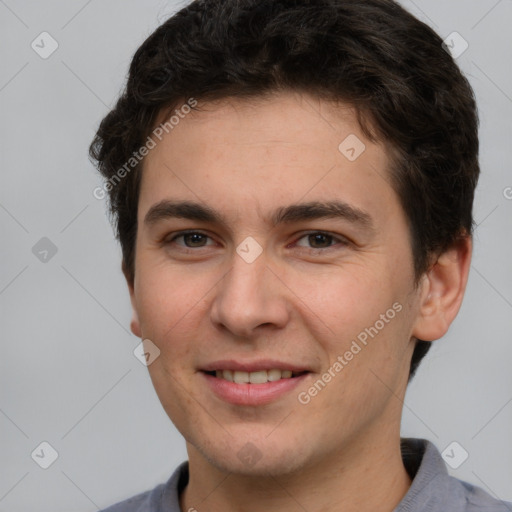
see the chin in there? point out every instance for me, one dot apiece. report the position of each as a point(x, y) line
point(254, 457)
point(265, 467)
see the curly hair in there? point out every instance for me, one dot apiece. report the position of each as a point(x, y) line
point(372, 54)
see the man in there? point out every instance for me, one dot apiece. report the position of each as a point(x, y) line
point(292, 185)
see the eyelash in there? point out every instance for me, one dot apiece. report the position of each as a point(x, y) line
point(342, 241)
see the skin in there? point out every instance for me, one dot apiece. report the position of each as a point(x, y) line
point(301, 301)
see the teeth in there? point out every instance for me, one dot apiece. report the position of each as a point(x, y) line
point(259, 377)
point(240, 377)
point(273, 375)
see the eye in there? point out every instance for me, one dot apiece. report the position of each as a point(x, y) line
point(191, 239)
point(320, 240)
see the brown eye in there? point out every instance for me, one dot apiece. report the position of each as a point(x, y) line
point(320, 240)
point(194, 239)
point(191, 239)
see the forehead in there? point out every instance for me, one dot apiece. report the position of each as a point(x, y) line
point(247, 155)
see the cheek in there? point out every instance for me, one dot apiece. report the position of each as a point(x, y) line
point(166, 304)
point(346, 297)
point(368, 320)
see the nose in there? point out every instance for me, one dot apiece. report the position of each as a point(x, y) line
point(249, 298)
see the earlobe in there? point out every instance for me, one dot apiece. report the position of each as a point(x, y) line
point(442, 291)
point(134, 323)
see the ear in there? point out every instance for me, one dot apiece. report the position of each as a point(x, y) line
point(442, 290)
point(134, 324)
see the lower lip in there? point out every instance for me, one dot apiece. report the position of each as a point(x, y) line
point(252, 394)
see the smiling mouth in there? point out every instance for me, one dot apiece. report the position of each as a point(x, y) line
point(258, 377)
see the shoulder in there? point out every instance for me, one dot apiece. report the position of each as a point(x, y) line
point(163, 496)
point(434, 490)
point(478, 500)
point(138, 503)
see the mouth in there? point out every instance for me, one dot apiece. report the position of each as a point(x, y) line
point(256, 377)
point(254, 383)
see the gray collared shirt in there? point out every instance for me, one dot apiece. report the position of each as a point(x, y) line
point(432, 488)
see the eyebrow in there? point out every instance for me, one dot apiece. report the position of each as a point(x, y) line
point(312, 210)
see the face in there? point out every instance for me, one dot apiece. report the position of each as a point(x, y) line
point(292, 255)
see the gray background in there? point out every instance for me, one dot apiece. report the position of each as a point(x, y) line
point(68, 375)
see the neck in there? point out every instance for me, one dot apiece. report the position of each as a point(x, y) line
point(363, 476)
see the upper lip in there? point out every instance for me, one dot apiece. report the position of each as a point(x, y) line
point(252, 366)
